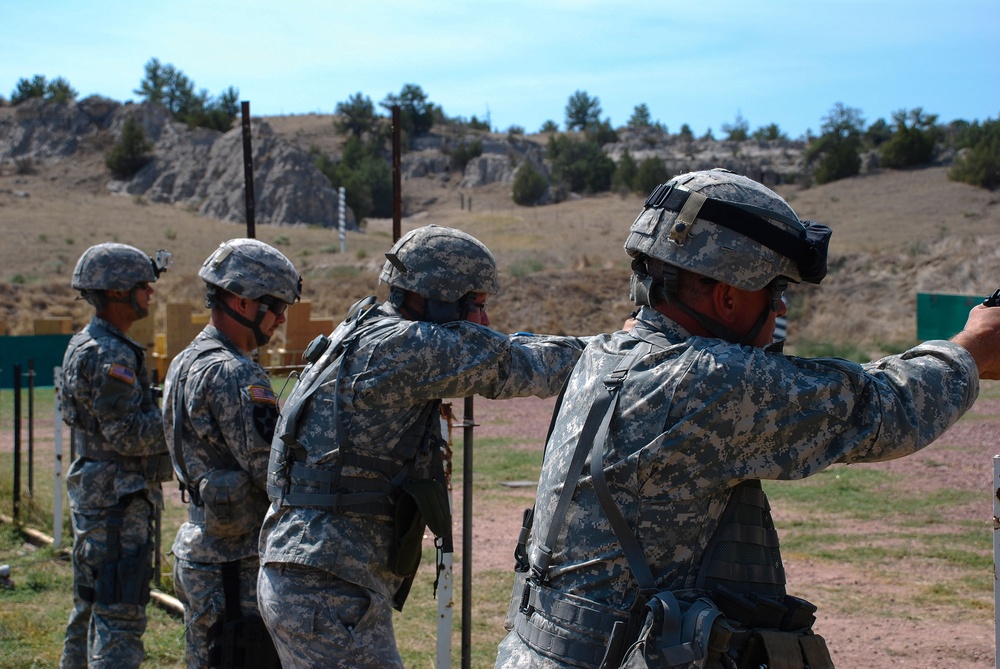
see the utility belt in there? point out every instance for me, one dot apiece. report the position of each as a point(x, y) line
point(324, 488)
point(153, 468)
point(683, 629)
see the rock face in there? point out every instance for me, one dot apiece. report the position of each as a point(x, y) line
point(49, 132)
point(199, 168)
point(203, 169)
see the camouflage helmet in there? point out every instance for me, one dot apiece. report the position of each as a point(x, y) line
point(252, 269)
point(441, 263)
point(113, 266)
point(729, 228)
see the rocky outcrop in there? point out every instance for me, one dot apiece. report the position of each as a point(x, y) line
point(203, 169)
point(49, 132)
point(198, 168)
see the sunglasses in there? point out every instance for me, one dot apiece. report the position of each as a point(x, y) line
point(274, 305)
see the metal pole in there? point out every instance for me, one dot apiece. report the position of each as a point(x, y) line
point(248, 170)
point(397, 180)
point(17, 441)
point(57, 431)
point(467, 436)
point(158, 513)
point(31, 428)
point(996, 557)
point(446, 590)
point(342, 218)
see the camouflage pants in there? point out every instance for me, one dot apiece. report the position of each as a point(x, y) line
point(318, 620)
point(198, 586)
point(103, 634)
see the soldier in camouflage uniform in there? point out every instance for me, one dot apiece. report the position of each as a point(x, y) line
point(355, 468)
point(705, 411)
point(219, 413)
point(114, 483)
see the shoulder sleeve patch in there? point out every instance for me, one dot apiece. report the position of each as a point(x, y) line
point(122, 373)
point(262, 395)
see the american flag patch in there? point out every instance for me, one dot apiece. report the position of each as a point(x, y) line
point(122, 372)
point(263, 395)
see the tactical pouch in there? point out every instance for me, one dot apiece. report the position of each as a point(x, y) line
point(675, 634)
point(786, 650)
point(158, 468)
point(421, 503)
point(229, 506)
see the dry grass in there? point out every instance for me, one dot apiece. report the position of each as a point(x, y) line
point(563, 266)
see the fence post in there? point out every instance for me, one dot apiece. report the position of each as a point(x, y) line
point(57, 433)
point(31, 428)
point(996, 556)
point(17, 442)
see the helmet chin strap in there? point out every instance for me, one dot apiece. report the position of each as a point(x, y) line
point(132, 300)
point(254, 325)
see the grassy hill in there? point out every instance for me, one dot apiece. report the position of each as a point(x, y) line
point(563, 267)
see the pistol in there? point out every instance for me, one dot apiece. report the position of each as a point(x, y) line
point(993, 300)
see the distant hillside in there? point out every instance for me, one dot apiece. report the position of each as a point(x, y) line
point(563, 267)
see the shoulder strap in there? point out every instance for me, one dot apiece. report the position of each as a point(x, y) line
point(331, 359)
point(200, 346)
point(595, 432)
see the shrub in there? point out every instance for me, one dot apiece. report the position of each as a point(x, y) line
point(529, 185)
point(738, 131)
point(583, 166)
point(979, 162)
point(365, 175)
point(624, 179)
point(131, 152)
point(837, 150)
point(912, 140)
point(463, 153)
point(651, 173)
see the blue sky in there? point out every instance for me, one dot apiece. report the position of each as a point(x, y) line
point(701, 63)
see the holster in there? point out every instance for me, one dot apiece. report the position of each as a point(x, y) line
point(158, 468)
point(246, 644)
point(422, 503)
point(123, 581)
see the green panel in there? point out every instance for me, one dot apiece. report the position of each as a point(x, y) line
point(45, 350)
point(942, 316)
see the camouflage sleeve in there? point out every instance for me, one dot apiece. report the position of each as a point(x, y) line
point(919, 395)
point(427, 361)
point(245, 410)
point(132, 426)
point(786, 418)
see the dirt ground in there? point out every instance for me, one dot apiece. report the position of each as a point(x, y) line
point(918, 639)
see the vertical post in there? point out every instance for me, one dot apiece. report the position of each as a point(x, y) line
point(57, 432)
point(469, 424)
point(248, 171)
point(397, 179)
point(158, 513)
point(31, 428)
point(996, 557)
point(446, 549)
point(17, 441)
point(342, 219)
